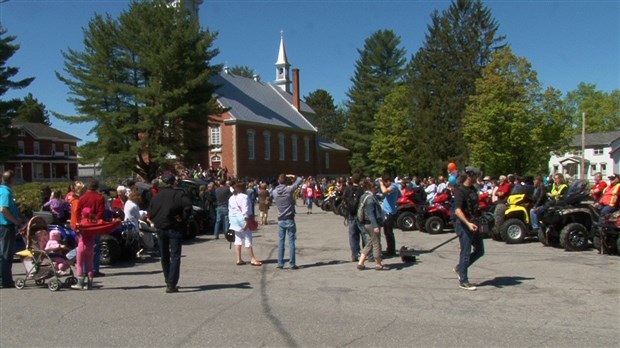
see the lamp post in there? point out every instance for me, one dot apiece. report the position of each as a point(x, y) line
point(583, 146)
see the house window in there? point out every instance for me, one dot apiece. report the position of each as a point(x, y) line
point(598, 152)
point(37, 148)
point(251, 144)
point(20, 147)
point(593, 169)
point(21, 132)
point(327, 160)
point(53, 149)
point(38, 171)
point(577, 152)
point(556, 169)
point(267, 136)
point(281, 148)
point(307, 148)
point(216, 137)
point(294, 147)
point(603, 168)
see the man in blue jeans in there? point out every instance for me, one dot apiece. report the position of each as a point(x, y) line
point(466, 202)
point(9, 221)
point(222, 194)
point(283, 196)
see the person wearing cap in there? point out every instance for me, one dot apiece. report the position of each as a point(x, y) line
point(168, 211)
point(391, 193)
point(609, 200)
point(467, 214)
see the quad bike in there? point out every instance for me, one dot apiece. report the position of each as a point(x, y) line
point(438, 216)
point(607, 238)
point(516, 225)
point(571, 221)
point(411, 206)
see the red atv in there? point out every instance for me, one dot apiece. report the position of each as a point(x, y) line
point(438, 215)
point(411, 206)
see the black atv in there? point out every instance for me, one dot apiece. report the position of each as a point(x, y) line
point(607, 237)
point(570, 222)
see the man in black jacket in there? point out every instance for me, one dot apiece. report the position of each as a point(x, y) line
point(168, 211)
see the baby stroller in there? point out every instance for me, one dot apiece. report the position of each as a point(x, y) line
point(43, 256)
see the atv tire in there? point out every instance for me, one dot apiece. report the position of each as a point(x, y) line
point(574, 237)
point(434, 225)
point(191, 230)
point(110, 250)
point(542, 237)
point(406, 221)
point(513, 231)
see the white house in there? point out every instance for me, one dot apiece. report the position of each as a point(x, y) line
point(602, 154)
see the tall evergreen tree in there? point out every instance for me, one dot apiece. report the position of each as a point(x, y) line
point(442, 75)
point(377, 72)
point(329, 119)
point(144, 80)
point(31, 110)
point(8, 107)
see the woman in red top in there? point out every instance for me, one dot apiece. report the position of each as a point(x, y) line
point(309, 196)
point(599, 186)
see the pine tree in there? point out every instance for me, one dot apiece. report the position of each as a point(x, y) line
point(377, 72)
point(144, 80)
point(31, 110)
point(329, 119)
point(442, 76)
point(8, 108)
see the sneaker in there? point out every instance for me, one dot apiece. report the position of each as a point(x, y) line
point(456, 270)
point(294, 267)
point(467, 286)
point(98, 274)
point(354, 259)
point(171, 289)
point(279, 267)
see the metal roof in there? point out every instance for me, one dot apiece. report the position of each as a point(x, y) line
point(41, 131)
point(260, 102)
point(326, 144)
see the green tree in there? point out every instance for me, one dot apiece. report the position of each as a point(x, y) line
point(31, 110)
point(391, 143)
point(244, 71)
point(8, 108)
point(377, 72)
point(602, 109)
point(498, 122)
point(144, 81)
point(329, 119)
point(442, 76)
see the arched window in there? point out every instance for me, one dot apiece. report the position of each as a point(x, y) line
point(327, 160)
point(294, 147)
point(251, 144)
point(307, 148)
point(216, 137)
point(267, 136)
point(281, 148)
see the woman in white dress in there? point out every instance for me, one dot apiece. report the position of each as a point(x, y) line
point(238, 215)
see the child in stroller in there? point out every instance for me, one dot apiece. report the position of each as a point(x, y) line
point(40, 263)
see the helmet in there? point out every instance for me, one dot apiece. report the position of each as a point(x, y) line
point(118, 214)
point(230, 235)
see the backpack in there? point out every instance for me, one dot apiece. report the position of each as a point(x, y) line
point(351, 199)
point(361, 210)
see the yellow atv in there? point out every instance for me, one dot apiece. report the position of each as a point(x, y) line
point(516, 226)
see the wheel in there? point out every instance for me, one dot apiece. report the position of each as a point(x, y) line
point(20, 283)
point(574, 236)
point(40, 282)
point(71, 281)
point(327, 205)
point(191, 230)
point(110, 250)
point(513, 231)
point(434, 225)
point(336, 207)
point(54, 284)
point(406, 221)
point(495, 235)
point(342, 210)
point(618, 245)
point(542, 237)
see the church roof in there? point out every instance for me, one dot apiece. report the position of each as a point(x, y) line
point(326, 144)
point(42, 131)
point(260, 102)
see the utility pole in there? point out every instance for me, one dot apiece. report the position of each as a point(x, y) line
point(583, 147)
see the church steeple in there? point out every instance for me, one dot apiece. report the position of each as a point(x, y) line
point(283, 80)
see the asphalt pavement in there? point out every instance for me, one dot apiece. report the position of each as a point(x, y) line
point(528, 296)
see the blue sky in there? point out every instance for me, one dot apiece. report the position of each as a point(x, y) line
point(567, 42)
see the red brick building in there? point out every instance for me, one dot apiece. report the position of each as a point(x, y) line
point(265, 130)
point(43, 153)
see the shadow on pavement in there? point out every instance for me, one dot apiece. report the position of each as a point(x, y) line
point(328, 263)
point(500, 282)
point(401, 265)
point(244, 285)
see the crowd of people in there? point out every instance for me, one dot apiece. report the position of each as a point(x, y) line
point(371, 206)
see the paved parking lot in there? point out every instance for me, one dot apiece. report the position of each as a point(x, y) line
point(528, 296)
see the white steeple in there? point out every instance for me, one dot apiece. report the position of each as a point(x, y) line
point(283, 80)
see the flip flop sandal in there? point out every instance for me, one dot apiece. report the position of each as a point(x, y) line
point(361, 267)
point(241, 263)
point(256, 263)
point(381, 268)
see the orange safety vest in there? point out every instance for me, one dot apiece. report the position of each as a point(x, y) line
point(610, 195)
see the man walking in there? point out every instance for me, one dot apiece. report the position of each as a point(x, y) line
point(9, 221)
point(285, 202)
point(391, 192)
point(222, 194)
point(466, 203)
point(169, 211)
